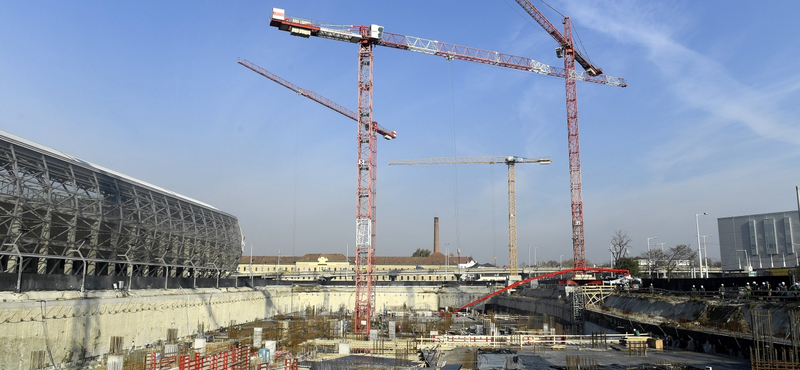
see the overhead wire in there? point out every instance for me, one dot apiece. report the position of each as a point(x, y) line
point(294, 212)
point(455, 166)
point(494, 220)
point(527, 18)
point(554, 9)
point(583, 51)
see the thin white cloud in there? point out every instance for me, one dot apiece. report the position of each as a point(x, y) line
point(694, 76)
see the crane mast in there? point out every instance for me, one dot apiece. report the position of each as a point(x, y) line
point(567, 50)
point(510, 161)
point(365, 230)
point(367, 176)
point(367, 164)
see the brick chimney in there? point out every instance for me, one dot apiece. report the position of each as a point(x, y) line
point(436, 235)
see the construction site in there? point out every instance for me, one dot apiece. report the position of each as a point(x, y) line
point(99, 270)
point(531, 328)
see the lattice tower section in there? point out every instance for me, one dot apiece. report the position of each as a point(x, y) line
point(578, 250)
point(367, 166)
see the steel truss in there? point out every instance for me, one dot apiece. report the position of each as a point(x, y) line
point(59, 214)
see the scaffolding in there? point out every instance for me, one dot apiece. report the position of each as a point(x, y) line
point(764, 355)
point(578, 305)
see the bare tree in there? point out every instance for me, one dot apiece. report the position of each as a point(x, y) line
point(654, 260)
point(620, 245)
point(680, 254)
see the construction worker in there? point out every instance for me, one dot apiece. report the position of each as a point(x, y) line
point(747, 291)
point(796, 289)
point(702, 290)
point(722, 291)
point(694, 291)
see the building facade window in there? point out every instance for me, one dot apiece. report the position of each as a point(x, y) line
point(769, 236)
point(753, 238)
point(787, 231)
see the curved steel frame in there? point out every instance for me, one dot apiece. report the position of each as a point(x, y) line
point(53, 205)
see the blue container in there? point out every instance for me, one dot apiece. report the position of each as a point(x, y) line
point(264, 354)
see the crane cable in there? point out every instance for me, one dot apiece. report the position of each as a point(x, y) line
point(527, 18)
point(583, 51)
point(494, 220)
point(294, 212)
point(455, 166)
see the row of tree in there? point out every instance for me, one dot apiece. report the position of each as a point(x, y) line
point(656, 260)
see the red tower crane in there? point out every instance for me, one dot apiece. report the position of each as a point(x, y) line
point(371, 154)
point(366, 37)
point(566, 49)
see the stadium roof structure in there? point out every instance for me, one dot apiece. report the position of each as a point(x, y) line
point(58, 211)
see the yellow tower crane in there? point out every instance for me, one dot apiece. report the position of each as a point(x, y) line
point(510, 161)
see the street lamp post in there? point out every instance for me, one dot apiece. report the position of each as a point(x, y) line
point(446, 259)
point(648, 242)
point(746, 260)
point(83, 261)
point(662, 256)
point(216, 268)
point(535, 260)
point(699, 251)
point(251, 266)
point(529, 256)
point(18, 264)
point(611, 251)
point(649, 258)
point(705, 250)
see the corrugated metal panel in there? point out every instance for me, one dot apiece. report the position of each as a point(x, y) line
point(740, 235)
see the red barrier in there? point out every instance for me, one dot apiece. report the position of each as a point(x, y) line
point(234, 359)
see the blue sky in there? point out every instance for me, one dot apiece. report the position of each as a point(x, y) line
point(151, 89)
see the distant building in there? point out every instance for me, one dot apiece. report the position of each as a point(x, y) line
point(338, 267)
point(760, 241)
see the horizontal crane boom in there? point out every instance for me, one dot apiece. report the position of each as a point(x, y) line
point(306, 28)
point(510, 161)
point(469, 160)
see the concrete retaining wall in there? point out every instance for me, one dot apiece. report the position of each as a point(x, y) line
point(537, 306)
point(74, 327)
point(707, 312)
point(688, 310)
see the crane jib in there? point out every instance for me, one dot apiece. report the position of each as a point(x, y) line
point(307, 28)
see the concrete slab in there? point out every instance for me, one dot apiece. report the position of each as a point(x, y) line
point(612, 359)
